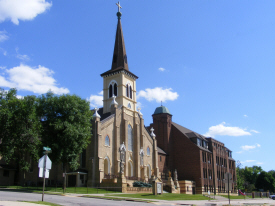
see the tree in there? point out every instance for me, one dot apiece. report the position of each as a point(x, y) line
point(19, 129)
point(240, 176)
point(265, 181)
point(66, 121)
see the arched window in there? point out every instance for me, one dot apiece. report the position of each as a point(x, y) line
point(130, 138)
point(129, 105)
point(107, 141)
point(130, 92)
point(127, 90)
point(148, 151)
point(130, 169)
point(115, 89)
point(110, 90)
point(106, 165)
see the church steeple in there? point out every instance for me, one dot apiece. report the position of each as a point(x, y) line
point(119, 81)
point(119, 56)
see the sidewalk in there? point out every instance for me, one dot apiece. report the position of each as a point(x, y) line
point(14, 203)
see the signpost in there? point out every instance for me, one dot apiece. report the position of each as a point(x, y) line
point(228, 183)
point(45, 164)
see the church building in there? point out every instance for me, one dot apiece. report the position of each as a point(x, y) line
point(119, 125)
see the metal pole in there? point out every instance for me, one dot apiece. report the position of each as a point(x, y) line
point(44, 171)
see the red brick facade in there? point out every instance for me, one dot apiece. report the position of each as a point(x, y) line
point(192, 155)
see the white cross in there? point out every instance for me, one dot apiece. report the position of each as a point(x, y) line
point(119, 7)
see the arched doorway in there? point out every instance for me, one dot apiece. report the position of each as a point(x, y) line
point(130, 169)
point(149, 171)
point(106, 166)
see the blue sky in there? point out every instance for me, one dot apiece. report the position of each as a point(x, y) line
point(210, 62)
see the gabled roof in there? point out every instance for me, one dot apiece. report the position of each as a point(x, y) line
point(160, 151)
point(189, 133)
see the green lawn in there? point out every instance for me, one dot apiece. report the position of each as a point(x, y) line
point(52, 190)
point(165, 196)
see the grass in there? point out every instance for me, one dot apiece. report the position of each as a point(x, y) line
point(165, 196)
point(42, 203)
point(58, 190)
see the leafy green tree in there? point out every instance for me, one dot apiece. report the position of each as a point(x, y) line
point(240, 178)
point(19, 129)
point(250, 175)
point(272, 172)
point(66, 121)
point(265, 181)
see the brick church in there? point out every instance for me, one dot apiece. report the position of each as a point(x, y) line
point(121, 143)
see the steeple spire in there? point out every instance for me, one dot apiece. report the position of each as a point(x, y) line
point(119, 56)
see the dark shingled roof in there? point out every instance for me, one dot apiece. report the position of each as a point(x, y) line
point(102, 116)
point(189, 133)
point(160, 151)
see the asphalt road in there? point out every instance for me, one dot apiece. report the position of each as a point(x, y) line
point(62, 200)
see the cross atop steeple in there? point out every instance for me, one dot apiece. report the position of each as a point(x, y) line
point(119, 7)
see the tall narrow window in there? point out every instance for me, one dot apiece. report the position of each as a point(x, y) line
point(127, 90)
point(130, 92)
point(115, 89)
point(148, 151)
point(107, 141)
point(130, 138)
point(110, 90)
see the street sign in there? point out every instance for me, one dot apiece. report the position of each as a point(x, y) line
point(47, 149)
point(42, 161)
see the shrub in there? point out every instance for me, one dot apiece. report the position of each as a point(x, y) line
point(141, 184)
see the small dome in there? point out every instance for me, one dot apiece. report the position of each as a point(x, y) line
point(161, 110)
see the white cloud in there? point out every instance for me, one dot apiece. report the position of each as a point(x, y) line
point(255, 131)
point(158, 94)
point(38, 80)
point(161, 69)
point(250, 160)
point(139, 105)
point(245, 115)
point(3, 51)
point(96, 100)
point(259, 163)
point(23, 57)
point(16, 10)
point(3, 36)
point(223, 130)
point(19, 97)
point(249, 147)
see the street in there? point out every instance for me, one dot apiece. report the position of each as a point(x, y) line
point(62, 200)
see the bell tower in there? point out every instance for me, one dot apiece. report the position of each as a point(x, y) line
point(119, 81)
